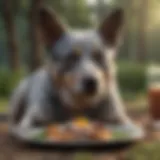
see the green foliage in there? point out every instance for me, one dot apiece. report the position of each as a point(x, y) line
point(3, 105)
point(8, 81)
point(132, 77)
point(75, 12)
point(57, 5)
point(78, 14)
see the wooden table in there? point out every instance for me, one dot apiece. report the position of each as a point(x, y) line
point(10, 151)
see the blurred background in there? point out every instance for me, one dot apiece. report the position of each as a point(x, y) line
point(22, 51)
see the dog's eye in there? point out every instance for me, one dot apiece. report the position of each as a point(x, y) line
point(98, 56)
point(72, 59)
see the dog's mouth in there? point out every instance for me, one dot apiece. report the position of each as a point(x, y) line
point(84, 100)
point(80, 100)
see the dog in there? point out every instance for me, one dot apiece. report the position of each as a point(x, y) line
point(78, 80)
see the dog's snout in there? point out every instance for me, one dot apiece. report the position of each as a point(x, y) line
point(90, 85)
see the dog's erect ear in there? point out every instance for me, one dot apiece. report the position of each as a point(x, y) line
point(50, 25)
point(111, 27)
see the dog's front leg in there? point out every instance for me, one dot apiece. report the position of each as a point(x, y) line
point(26, 122)
point(33, 118)
point(117, 111)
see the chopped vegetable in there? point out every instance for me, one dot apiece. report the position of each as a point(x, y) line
point(81, 129)
point(121, 135)
point(40, 136)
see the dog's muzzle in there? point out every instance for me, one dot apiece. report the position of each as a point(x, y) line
point(90, 86)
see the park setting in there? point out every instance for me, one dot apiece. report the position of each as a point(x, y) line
point(22, 51)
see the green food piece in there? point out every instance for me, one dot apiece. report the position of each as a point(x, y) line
point(40, 136)
point(121, 135)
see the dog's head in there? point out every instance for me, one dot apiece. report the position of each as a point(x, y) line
point(81, 61)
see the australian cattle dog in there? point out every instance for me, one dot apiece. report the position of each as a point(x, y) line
point(79, 79)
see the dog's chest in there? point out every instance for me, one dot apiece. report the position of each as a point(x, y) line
point(63, 113)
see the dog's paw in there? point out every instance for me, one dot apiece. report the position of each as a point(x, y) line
point(19, 131)
point(128, 123)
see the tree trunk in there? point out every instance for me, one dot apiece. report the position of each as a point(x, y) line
point(142, 41)
point(13, 56)
point(35, 37)
point(100, 10)
point(128, 31)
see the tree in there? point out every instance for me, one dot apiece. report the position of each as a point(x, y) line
point(136, 12)
point(142, 40)
point(58, 6)
point(75, 12)
point(11, 35)
point(78, 14)
point(101, 9)
point(37, 49)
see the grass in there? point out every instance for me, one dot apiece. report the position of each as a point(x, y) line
point(3, 105)
point(137, 103)
point(145, 152)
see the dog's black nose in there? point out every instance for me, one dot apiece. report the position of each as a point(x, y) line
point(90, 85)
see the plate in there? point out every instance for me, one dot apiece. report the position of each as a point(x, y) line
point(122, 137)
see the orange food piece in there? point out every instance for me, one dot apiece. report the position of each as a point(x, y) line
point(68, 136)
point(53, 132)
point(102, 134)
point(81, 122)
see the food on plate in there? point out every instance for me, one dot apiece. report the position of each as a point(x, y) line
point(121, 135)
point(78, 129)
point(82, 129)
point(102, 134)
point(53, 132)
point(81, 122)
point(81, 126)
